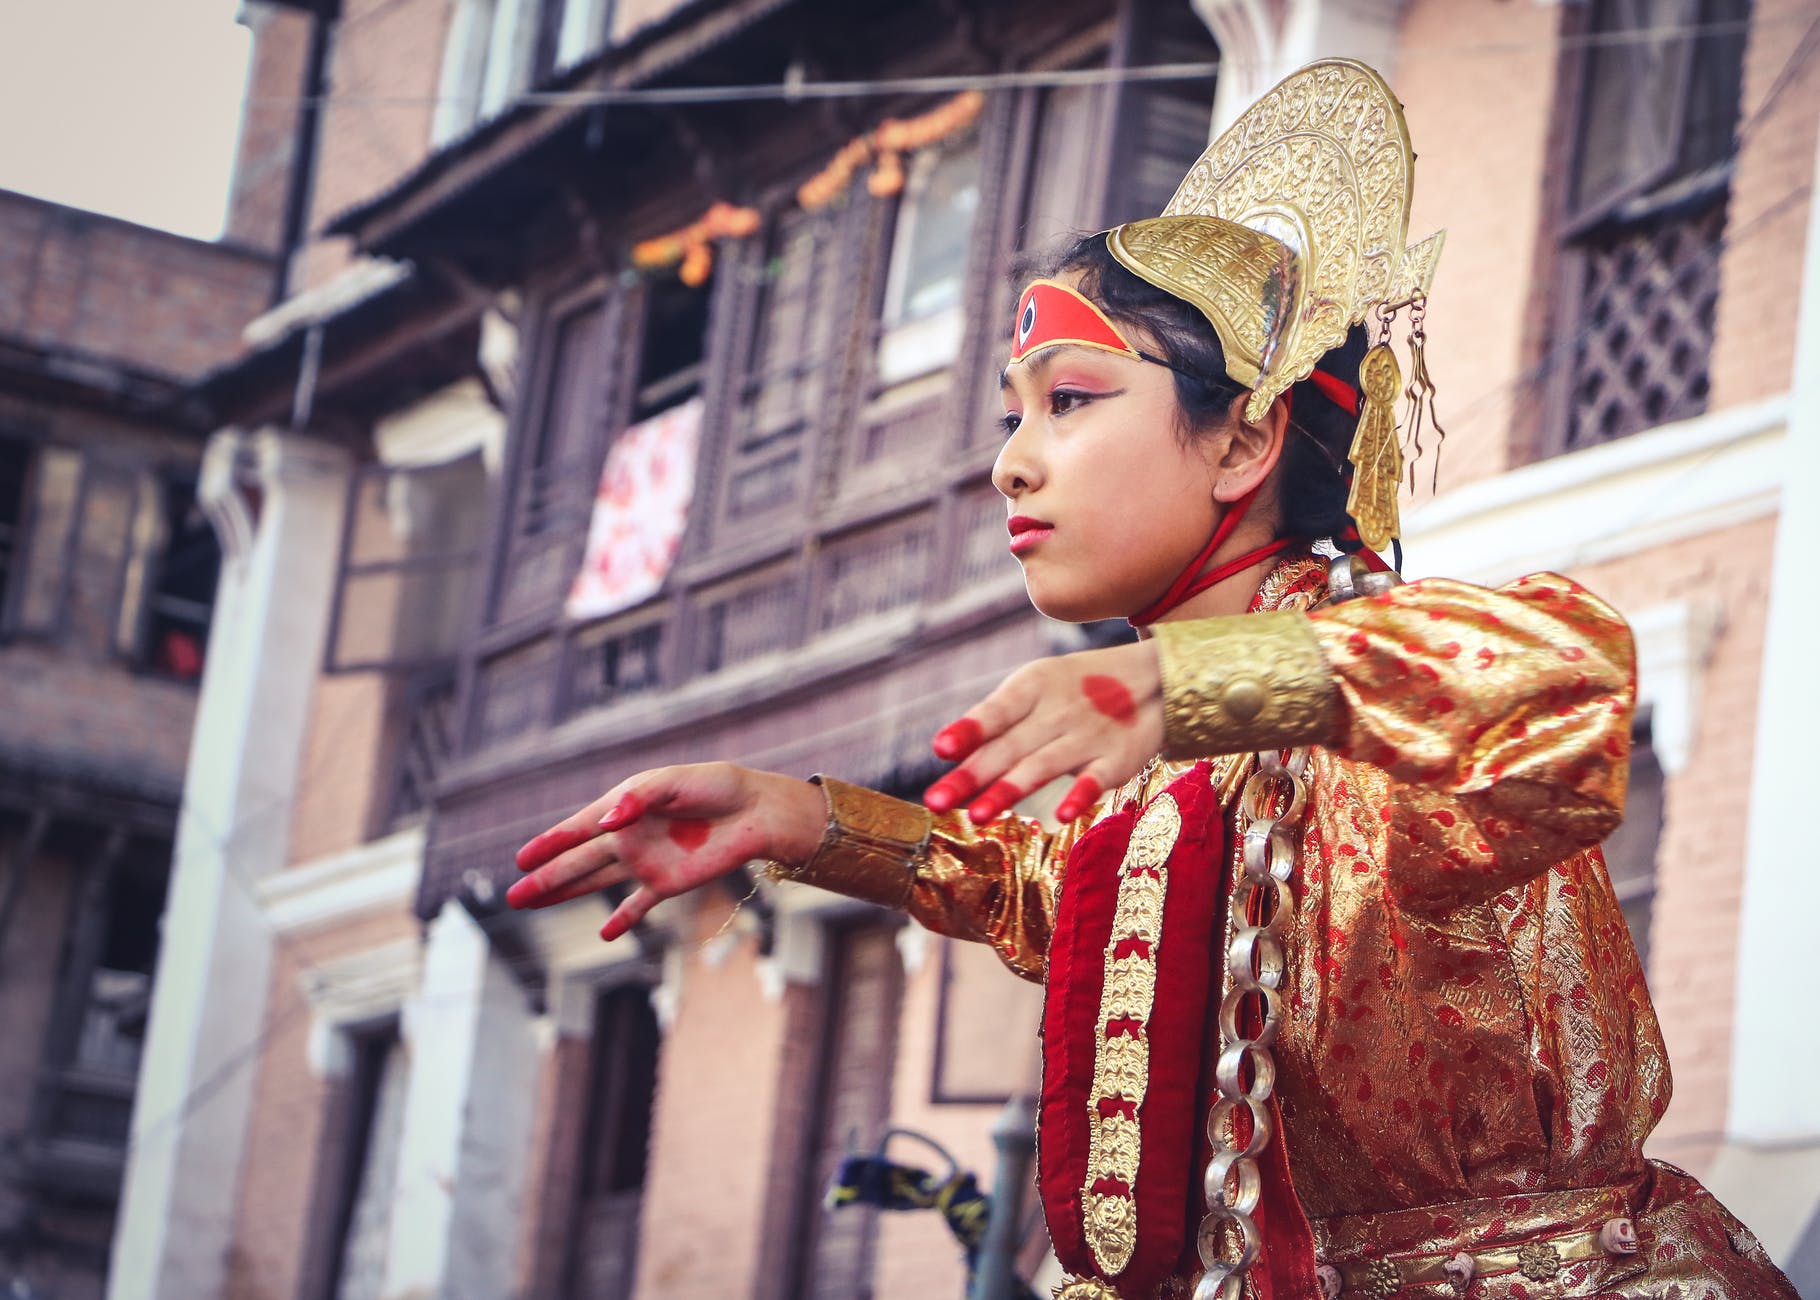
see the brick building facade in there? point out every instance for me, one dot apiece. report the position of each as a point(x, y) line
point(412, 1091)
point(107, 573)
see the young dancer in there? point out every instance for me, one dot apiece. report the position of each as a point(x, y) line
point(1339, 1001)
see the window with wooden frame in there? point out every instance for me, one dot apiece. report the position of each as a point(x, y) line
point(42, 535)
point(557, 462)
point(1631, 850)
point(921, 324)
point(792, 362)
point(831, 1253)
point(622, 1087)
point(15, 465)
point(1652, 96)
point(371, 1134)
point(410, 550)
point(173, 566)
point(96, 1034)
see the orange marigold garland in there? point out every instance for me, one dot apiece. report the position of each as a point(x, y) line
point(690, 245)
point(689, 250)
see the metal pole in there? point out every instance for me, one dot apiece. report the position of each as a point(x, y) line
point(1015, 1137)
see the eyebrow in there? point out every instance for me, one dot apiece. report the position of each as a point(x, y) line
point(1043, 357)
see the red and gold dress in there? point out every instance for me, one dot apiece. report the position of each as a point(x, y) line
point(1468, 1062)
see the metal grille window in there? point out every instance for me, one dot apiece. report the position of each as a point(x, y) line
point(1657, 91)
point(875, 572)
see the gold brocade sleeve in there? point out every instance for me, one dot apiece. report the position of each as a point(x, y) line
point(1502, 719)
point(992, 884)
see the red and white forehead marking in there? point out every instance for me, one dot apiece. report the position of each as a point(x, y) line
point(1050, 313)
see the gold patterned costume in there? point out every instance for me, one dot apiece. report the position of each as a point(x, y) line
point(1469, 1062)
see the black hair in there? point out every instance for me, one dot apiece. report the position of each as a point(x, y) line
point(1312, 474)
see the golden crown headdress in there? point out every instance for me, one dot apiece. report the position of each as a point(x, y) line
point(1288, 231)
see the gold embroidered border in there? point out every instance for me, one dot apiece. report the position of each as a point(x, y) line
point(1121, 1066)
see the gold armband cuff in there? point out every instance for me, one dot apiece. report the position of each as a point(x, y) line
point(870, 849)
point(1234, 685)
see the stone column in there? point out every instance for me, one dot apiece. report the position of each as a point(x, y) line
point(475, 1059)
point(1262, 42)
point(277, 502)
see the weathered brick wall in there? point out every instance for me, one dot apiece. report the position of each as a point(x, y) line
point(267, 149)
point(73, 697)
point(384, 73)
point(1700, 865)
point(718, 1081)
point(144, 298)
point(1761, 273)
point(1477, 80)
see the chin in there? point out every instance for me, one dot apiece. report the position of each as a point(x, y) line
point(1072, 605)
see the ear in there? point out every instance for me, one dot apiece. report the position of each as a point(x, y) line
point(1252, 450)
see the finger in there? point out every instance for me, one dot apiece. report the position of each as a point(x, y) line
point(611, 872)
point(553, 843)
point(1081, 796)
point(991, 763)
point(581, 862)
point(1008, 704)
point(1031, 773)
point(629, 913)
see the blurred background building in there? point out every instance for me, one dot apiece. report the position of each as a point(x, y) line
point(493, 268)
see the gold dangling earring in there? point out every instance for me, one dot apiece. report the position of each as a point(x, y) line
point(1376, 457)
point(1421, 395)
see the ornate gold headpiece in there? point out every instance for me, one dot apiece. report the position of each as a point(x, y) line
point(1288, 231)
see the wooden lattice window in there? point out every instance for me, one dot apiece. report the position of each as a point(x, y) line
point(746, 618)
point(1655, 93)
point(559, 461)
point(791, 365)
point(874, 572)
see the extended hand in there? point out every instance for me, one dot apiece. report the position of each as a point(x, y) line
point(1096, 715)
point(669, 829)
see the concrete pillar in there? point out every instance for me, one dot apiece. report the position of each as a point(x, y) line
point(208, 1010)
point(1262, 41)
point(476, 1052)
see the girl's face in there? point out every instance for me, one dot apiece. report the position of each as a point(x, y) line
point(1108, 501)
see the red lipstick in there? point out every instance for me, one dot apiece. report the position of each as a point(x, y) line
point(1027, 532)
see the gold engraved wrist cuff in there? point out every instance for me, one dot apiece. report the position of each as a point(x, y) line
point(1237, 684)
point(870, 849)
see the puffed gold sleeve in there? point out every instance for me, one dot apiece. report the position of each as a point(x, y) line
point(991, 884)
point(1517, 703)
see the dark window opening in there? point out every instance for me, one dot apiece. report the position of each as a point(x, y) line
point(376, 1087)
point(622, 1087)
point(674, 347)
point(15, 463)
point(181, 597)
point(1630, 851)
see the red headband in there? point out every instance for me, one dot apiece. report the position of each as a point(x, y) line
point(1050, 313)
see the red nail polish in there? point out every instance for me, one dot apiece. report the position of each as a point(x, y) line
point(958, 739)
point(628, 810)
point(525, 892)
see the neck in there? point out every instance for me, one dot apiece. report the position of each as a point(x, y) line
point(1229, 596)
